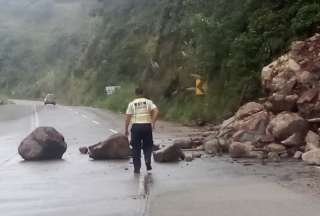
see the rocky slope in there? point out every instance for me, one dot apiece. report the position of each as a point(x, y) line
point(286, 122)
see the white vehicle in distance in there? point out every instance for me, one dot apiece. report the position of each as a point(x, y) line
point(50, 99)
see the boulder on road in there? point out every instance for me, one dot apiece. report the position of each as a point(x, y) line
point(255, 122)
point(241, 150)
point(287, 124)
point(312, 157)
point(115, 147)
point(44, 143)
point(170, 153)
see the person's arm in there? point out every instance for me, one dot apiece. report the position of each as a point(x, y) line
point(127, 123)
point(128, 117)
point(154, 116)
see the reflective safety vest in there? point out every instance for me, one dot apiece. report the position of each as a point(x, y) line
point(140, 109)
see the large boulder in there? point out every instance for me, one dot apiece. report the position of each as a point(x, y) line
point(248, 110)
point(44, 143)
point(252, 117)
point(115, 147)
point(170, 153)
point(279, 102)
point(288, 126)
point(241, 150)
point(309, 103)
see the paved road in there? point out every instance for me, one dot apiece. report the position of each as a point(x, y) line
point(79, 186)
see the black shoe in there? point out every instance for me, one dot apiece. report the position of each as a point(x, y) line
point(136, 171)
point(149, 167)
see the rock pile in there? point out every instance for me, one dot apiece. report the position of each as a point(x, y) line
point(286, 122)
point(44, 143)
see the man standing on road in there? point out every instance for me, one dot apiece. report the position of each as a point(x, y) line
point(143, 114)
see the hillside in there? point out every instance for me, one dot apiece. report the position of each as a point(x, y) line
point(159, 44)
point(226, 42)
point(39, 41)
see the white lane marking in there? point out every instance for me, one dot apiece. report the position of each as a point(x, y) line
point(84, 116)
point(36, 117)
point(141, 190)
point(113, 131)
point(95, 122)
point(76, 112)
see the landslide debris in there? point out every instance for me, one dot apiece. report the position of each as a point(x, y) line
point(286, 122)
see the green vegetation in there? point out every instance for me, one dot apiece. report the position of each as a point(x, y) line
point(158, 44)
point(226, 42)
point(119, 100)
point(40, 41)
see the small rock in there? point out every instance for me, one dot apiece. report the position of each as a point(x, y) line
point(188, 158)
point(84, 150)
point(200, 148)
point(298, 155)
point(212, 147)
point(284, 155)
point(196, 155)
point(312, 157)
point(274, 157)
point(313, 141)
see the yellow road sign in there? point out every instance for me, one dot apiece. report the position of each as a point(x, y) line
point(201, 87)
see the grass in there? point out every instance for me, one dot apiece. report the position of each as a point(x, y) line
point(180, 109)
point(117, 102)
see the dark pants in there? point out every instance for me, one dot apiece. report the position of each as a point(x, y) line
point(141, 138)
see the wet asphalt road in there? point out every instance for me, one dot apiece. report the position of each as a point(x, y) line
point(78, 186)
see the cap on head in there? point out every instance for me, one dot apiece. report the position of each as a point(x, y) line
point(139, 91)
